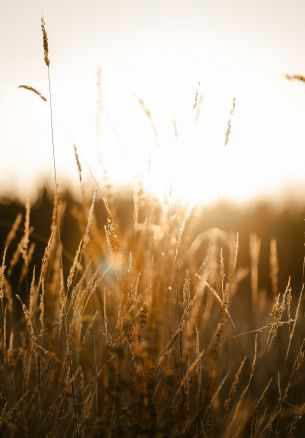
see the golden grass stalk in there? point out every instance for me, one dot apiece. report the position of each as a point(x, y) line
point(98, 117)
point(111, 231)
point(45, 42)
point(197, 94)
point(72, 378)
point(149, 116)
point(80, 177)
point(4, 336)
point(297, 418)
point(42, 276)
point(288, 306)
point(32, 297)
point(197, 102)
point(46, 257)
point(295, 367)
point(198, 108)
point(34, 90)
point(278, 309)
point(89, 329)
point(2, 276)
point(205, 409)
point(22, 247)
point(179, 238)
point(274, 266)
point(42, 306)
point(299, 78)
point(245, 390)
point(255, 245)
point(47, 63)
point(216, 393)
point(27, 261)
point(234, 385)
point(29, 324)
point(13, 231)
point(79, 167)
point(76, 266)
point(191, 368)
point(192, 312)
point(222, 301)
point(229, 125)
point(26, 236)
point(265, 327)
point(295, 321)
point(236, 250)
point(257, 404)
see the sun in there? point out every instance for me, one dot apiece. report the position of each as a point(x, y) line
point(180, 140)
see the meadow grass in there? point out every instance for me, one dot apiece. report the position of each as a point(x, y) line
point(149, 331)
point(153, 333)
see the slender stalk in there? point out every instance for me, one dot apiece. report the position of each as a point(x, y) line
point(47, 62)
point(55, 172)
point(72, 382)
point(52, 128)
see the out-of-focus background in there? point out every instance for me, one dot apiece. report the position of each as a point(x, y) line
point(106, 55)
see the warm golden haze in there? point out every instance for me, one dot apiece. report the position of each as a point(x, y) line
point(148, 312)
point(166, 50)
point(149, 320)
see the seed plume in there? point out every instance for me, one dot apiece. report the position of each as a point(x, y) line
point(45, 42)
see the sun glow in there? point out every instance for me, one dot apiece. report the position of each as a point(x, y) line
point(142, 123)
point(169, 134)
point(172, 136)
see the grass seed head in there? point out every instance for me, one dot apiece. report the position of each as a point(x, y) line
point(34, 90)
point(45, 42)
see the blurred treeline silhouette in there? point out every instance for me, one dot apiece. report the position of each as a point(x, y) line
point(283, 223)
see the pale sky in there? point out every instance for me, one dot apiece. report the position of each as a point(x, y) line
point(159, 51)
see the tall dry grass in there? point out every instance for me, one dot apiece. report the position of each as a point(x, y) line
point(150, 333)
point(147, 337)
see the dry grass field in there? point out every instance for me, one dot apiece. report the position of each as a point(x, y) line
point(147, 330)
point(148, 325)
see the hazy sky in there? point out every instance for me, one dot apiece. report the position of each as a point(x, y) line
point(159, 51)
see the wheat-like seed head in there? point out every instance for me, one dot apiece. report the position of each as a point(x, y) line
point(45, 42)
point(12, 233)
point(29, 324)
point(234, 385)
point(300, 78)
point(79, 167)
point(34, 90)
